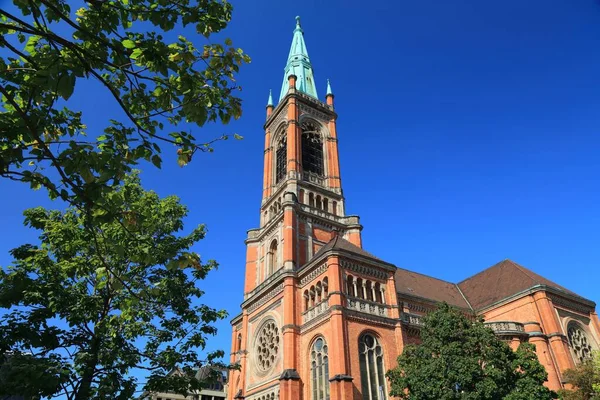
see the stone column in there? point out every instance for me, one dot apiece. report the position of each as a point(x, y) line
point(340, 383)
point(551, 326)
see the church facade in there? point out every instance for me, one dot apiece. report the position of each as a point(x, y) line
point(324, 319)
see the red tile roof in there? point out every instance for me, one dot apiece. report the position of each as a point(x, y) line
point(500, 281)
point(415, 284)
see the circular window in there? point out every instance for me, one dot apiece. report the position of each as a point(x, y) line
point(267, 346)
point(579, 342)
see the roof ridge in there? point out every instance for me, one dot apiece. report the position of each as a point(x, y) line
point(524, 271)
point(484, 270)
point(464, 297)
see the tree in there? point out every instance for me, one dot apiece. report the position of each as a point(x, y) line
point(87, 308)
point(121, 44)
point(460, 358)
point(585, 379)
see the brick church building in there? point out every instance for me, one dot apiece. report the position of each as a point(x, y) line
point(324, 319)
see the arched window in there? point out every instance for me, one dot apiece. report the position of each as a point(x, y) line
point(281, 159)
point(239, 342)
point(311, 200)
point(319, 368)
point(272, 258)
point(372, 373)
point(312, 148)
point(579, 342)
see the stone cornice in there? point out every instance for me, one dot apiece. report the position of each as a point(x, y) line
point(307, 277)
point(237, 319)
point(364, 269)
point(301, 99)
point(350, 256)
point(373, 319)
point(540, 288)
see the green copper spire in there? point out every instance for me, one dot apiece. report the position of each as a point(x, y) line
point(298, 64)
point(270, 101)
point(329, 87)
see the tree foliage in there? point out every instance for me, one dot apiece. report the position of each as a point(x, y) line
point(460, 358)
point(585, 379)
point(88, 308)
point(48, 48)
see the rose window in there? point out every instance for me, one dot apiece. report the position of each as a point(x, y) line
point(267, 346)
point(579, 342)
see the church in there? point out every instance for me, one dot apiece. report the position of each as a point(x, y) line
point(322, 318)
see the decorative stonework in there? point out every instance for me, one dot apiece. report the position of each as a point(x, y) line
point(367, 307)
point(569, 304)
point(416, 307)
point(363, 269)
point(506, 327)
point(579, 342)
point(267, 346)
point(268, 296)
point(279, 119)
point(304, 109)
point(412, 319)
point(316, 272)
point(315, 311)
point(267, 394)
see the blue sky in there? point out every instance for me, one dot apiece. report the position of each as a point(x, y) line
point(468, 133)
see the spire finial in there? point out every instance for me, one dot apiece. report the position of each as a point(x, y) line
point(328, 87)
point(297, 20)
point(270, 101)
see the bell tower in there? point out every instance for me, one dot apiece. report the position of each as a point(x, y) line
point(303, 221)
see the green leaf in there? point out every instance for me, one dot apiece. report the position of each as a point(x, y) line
point(128, 44)
point(156, 160)
point(66, 85)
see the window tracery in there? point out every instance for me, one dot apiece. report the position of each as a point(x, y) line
point(319, 361)
point(579, 342)
point(312, 148)
point(372, 373)
point(267, 346)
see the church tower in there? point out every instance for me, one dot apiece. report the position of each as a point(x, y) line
point(291, 338)
point(322, 319)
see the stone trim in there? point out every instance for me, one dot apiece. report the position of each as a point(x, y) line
point(418, 308)
point(570, 304)
point(268, 296)
point(271, 393)
point(312, 275)
point(373, 319)
point(363, 269)
point(289, 374)
point(293, 327)
point(341, 378)
point(311, 111)
point(260, 314)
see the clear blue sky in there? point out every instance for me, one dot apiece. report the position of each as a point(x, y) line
point(469, 133)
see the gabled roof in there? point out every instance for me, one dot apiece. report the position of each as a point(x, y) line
point(339, 243)
point(419, 285)
point(502, 280)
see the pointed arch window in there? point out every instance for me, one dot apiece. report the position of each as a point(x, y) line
point(281, 159)
point(372, 373)
point(312, 148)
point(319, 369)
